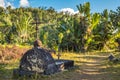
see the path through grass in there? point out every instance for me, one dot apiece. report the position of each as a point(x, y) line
point(87, 67)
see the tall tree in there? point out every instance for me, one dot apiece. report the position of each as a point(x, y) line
point(84, 11)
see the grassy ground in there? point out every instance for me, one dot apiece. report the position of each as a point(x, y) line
point(89, 66)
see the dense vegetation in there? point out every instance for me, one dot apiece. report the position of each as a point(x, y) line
point(84, 31)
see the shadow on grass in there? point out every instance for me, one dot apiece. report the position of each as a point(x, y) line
point(113, 71)
point(92, 57)
point(100, 73)
point(6, 73)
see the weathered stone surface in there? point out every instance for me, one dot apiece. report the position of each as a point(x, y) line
point(38, 60)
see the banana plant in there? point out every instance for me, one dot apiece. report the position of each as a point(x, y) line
point(24, 28)
point(103, 30)
point(94, 22)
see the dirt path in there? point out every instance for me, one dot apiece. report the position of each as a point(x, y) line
point(92, 68)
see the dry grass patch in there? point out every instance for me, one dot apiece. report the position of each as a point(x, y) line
point(88, 66)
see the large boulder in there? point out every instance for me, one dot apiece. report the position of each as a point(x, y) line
point(38, 60)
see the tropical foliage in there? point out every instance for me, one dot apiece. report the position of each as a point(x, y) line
point(83, 31)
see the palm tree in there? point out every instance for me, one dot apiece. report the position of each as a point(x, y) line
point(84, 11)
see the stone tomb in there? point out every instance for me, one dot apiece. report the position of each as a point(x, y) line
point(39, 60)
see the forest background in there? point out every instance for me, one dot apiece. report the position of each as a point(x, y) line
point(80, 32)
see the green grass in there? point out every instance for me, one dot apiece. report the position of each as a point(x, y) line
point(6, 69)
point(111, 70)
